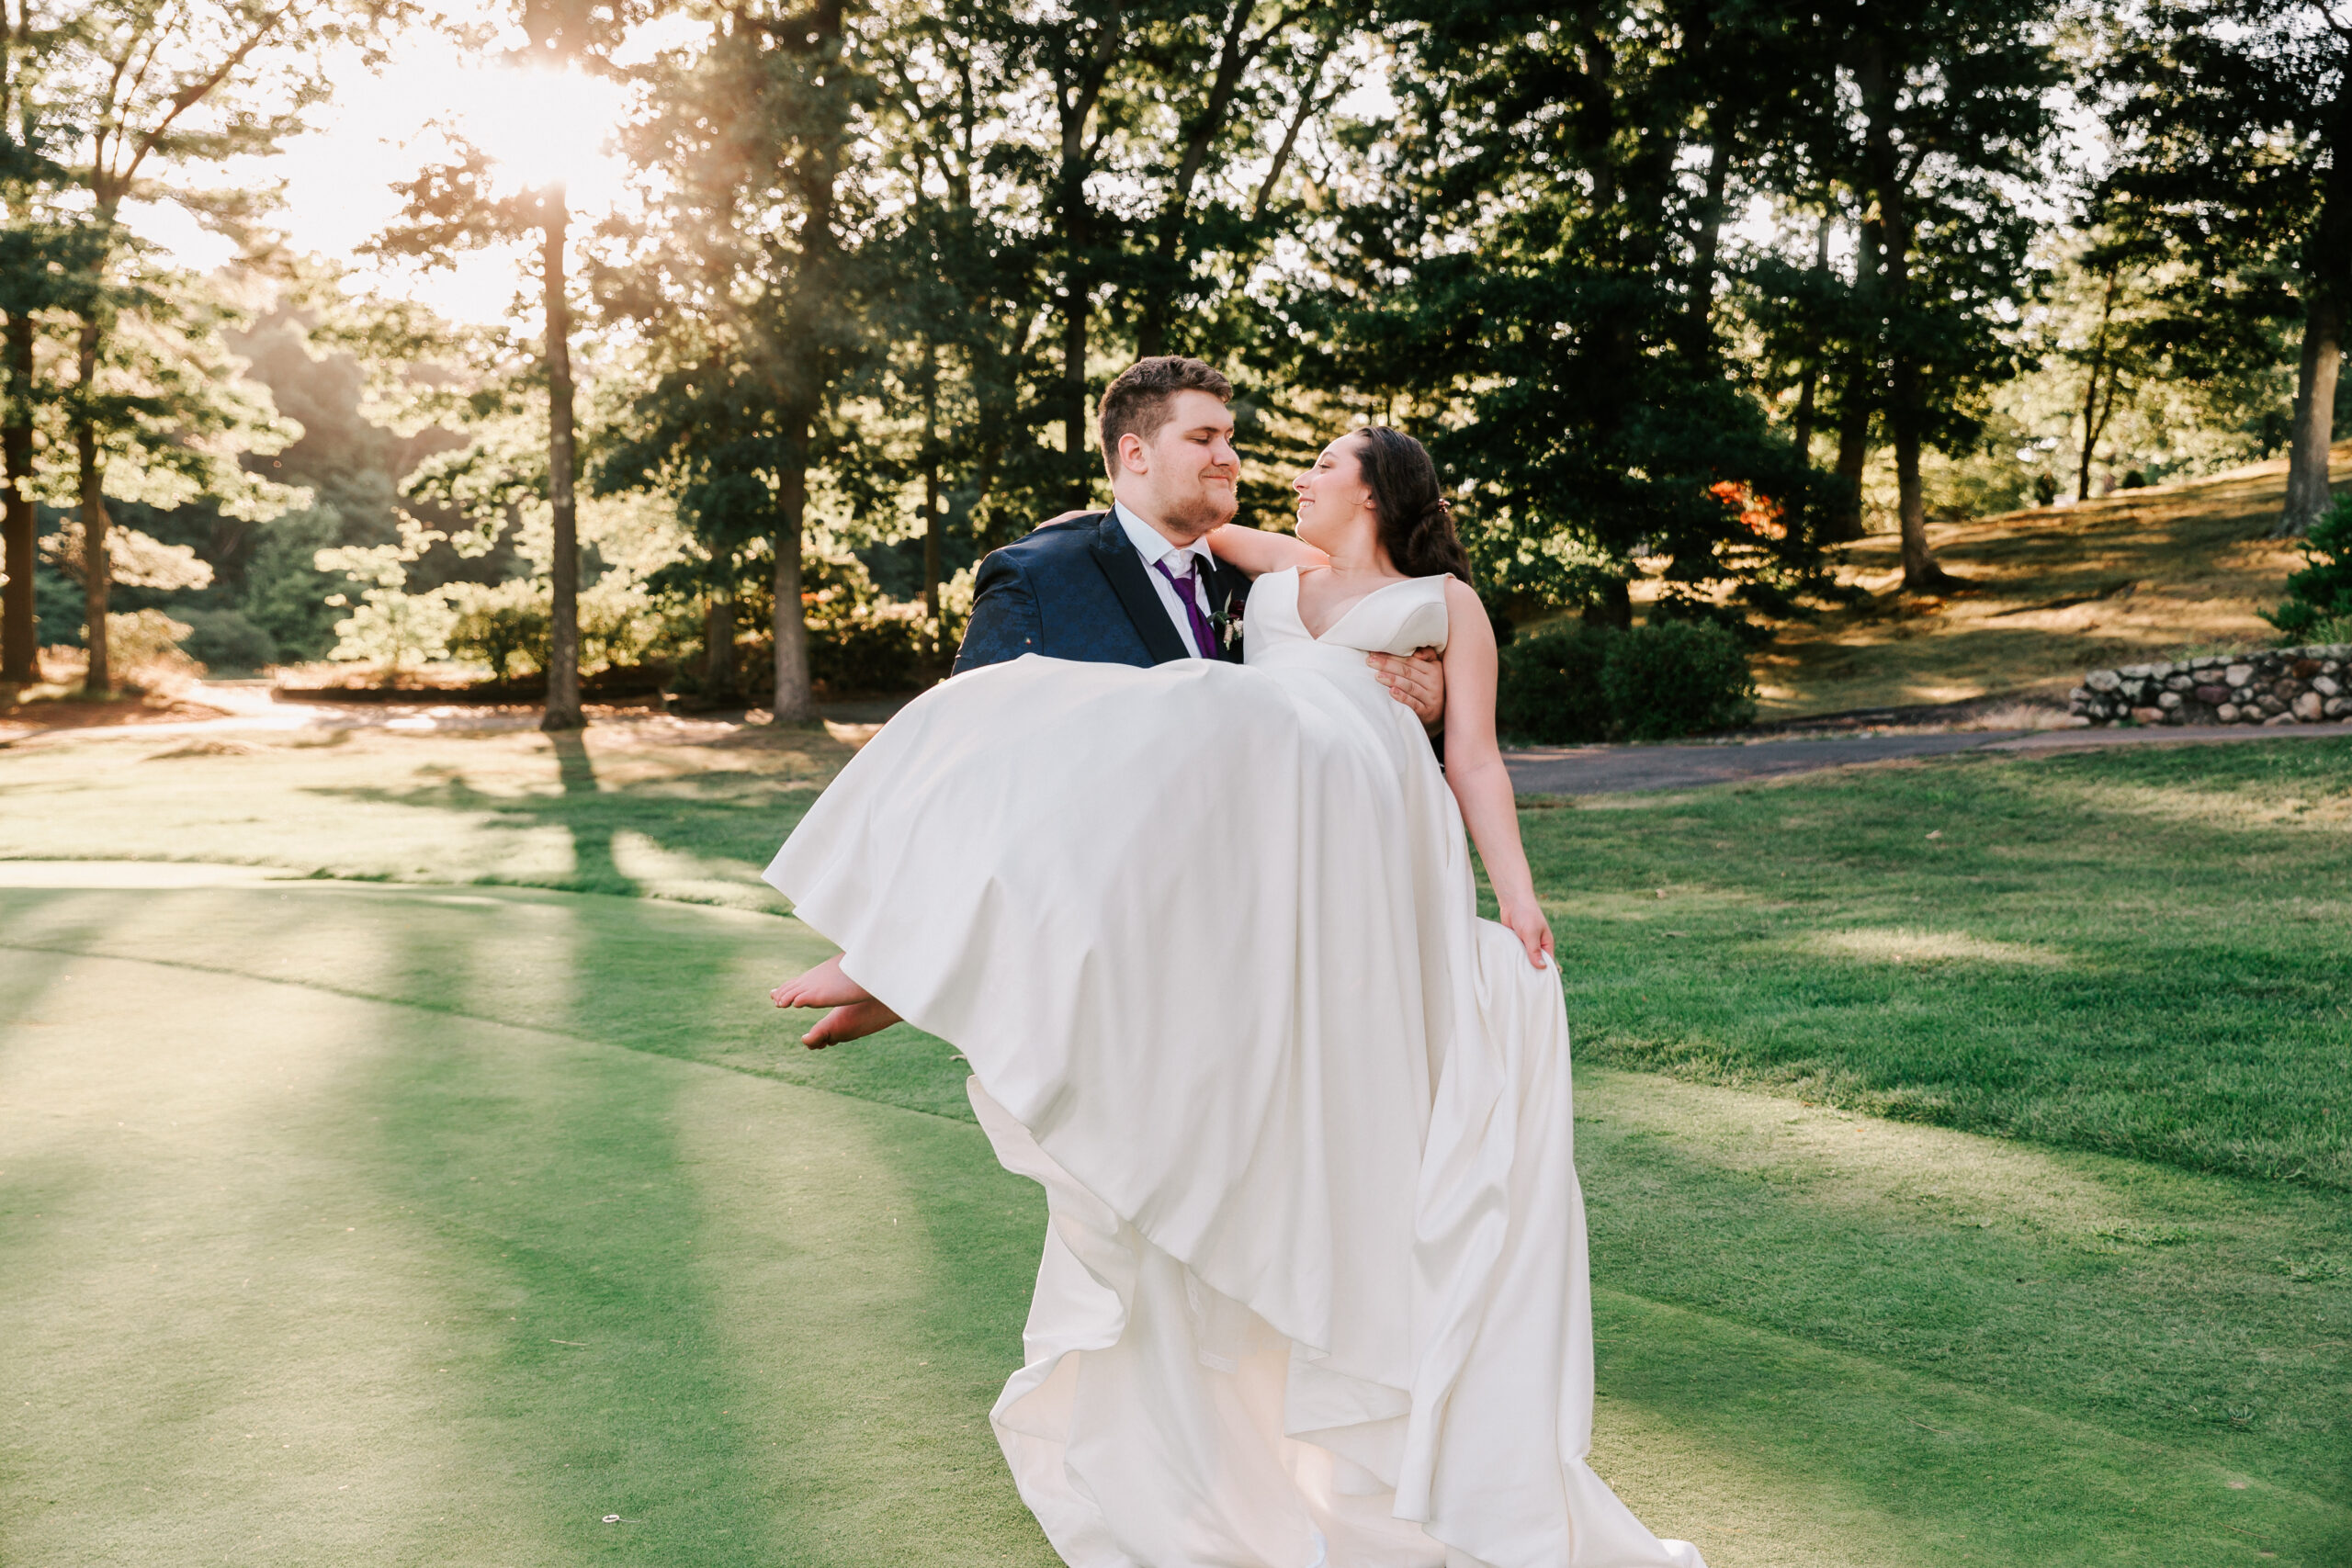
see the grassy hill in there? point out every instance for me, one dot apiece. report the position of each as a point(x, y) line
point(2055, 591)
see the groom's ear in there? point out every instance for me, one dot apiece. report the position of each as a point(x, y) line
point(1134, 456)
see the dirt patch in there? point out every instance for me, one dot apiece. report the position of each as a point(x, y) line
point(18, 720)
point(2133, 578)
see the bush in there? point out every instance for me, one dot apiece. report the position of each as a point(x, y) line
point(499, 626)
point(227, 640)
point(1677, 677)
point(2319, 597)
point(1549, 687)
point(868, 652)
point(1588, 682)
point(146, 642)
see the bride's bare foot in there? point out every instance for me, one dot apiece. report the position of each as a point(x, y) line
point(853, 1022)
point(823, 987)
point(854, 1014)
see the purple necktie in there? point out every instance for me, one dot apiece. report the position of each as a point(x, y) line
point(1204, 636)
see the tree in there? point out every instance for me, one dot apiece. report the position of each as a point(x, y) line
point(747, 287)
point(156, 90)
point(2234, 127)
point(29, 179)
point(1529, 277)
point(1955, 105)
point(458, 205)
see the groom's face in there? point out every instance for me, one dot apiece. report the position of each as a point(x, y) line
point(1188, 468)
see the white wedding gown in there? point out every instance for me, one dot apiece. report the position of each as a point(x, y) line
point(1314, 1289)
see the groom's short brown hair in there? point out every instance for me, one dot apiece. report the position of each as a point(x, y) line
point(1137, 403)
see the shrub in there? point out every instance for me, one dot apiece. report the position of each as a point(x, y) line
point(2319, 597)
point(499, 626)
point(871, 651)
point(1549, 687)
point(227, 640)
point(1677, 677)
point(1587, 683)
point(146, 642)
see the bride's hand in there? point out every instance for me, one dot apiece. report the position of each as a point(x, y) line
point(1526, 922)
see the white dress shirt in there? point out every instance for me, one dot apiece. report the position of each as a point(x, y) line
point(1153, 546)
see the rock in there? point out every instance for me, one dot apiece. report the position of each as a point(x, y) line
point(2136, 672)
point(2108, 681)
point(2178, 682)
point(2274, 720)
point(2238, 675)
point(2168, 701)
point(2147, 715)
point(2338, 708)
point(2227, 713)
point(2304, 669)
point(2270, 703)
point(2213, 695)
point(2325, 686)
point(2309, 706)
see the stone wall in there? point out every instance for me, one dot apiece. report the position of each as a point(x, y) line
point(2281, 685)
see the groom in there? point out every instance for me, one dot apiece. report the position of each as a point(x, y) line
point(1132, 586)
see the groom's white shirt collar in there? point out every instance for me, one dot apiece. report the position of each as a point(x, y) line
point(1154, 547)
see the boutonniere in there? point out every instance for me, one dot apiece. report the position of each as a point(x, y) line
point(1227, 624)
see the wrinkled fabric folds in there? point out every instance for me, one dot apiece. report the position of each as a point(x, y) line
point(1314, 1288)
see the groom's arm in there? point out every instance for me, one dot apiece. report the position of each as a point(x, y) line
point(1005, 623)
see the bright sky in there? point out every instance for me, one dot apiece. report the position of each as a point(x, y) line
point(381, 128)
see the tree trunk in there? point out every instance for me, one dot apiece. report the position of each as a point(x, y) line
point(2092, 423)
point(2089, 435)
point(97, 572)
point(935, 527)
point(1857, 399)
point(718, 649)
point(1612, 606)
point(1845, 522)
point(2307, 493)
point(1808, 386)
point(20, 631)
point(1161, 292)
point(563, 628)
point(1698, 328)
point(794, 702)
point(1907, 412)
point(1075, 439)
point(1801, 431)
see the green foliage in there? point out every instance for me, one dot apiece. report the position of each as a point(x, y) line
point(1587, 683)
point(1677, 677)
point(227, 640)
point(2319, 598)
point(146, 639)
point(506, 626)
point(1549, 688)
point(285, 594)
point(500, 626)
point(389, 625)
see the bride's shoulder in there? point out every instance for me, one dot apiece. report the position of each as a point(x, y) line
point(1465, 612)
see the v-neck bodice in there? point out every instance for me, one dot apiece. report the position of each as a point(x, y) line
point(1395, 618)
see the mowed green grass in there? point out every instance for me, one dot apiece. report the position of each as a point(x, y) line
point(613, 1244)
point(2144, 950)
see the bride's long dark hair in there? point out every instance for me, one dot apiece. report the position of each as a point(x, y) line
point(1416, 524)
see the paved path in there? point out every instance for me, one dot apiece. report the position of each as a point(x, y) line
point(1608, 770)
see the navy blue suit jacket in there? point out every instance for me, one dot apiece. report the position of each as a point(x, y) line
point(1078, 590)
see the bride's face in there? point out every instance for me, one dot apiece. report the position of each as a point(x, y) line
point(1333, 500)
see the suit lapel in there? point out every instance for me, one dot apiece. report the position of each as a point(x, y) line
point(1229, 588)
point(1132, 583)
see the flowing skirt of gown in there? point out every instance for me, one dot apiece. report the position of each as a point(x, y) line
point(1314, 1285)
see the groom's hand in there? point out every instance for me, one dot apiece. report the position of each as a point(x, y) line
point(1419, 683)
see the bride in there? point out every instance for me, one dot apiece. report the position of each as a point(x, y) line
point(1314, 1289)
